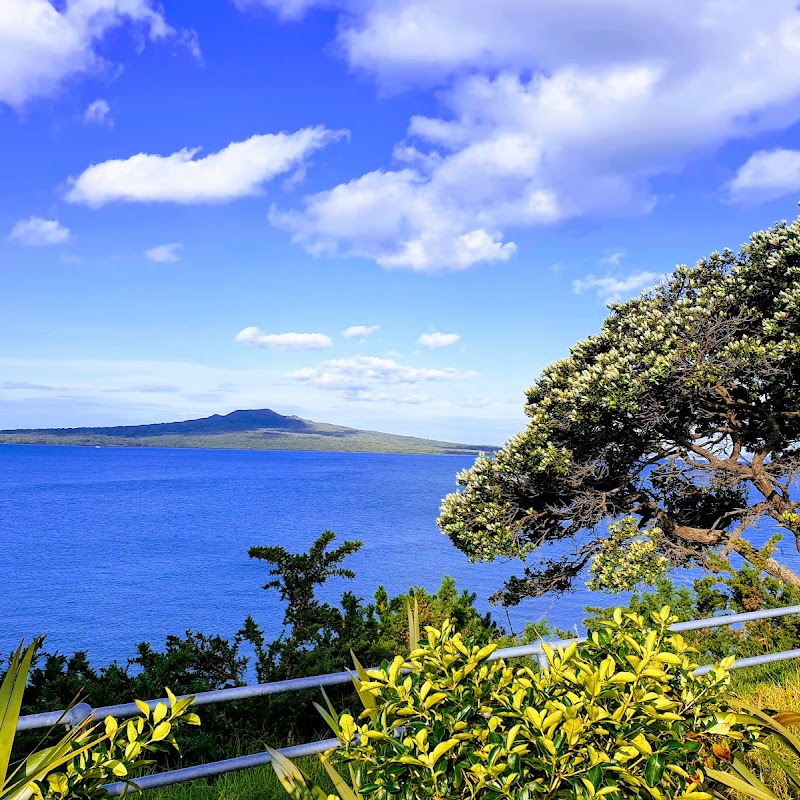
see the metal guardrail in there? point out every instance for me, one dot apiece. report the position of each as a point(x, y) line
point(82, 711)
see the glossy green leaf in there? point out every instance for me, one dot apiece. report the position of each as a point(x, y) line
point(654, 770)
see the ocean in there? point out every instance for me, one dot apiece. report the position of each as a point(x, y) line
point(103, 548)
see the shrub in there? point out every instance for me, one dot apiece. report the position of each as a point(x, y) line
point(620, 715)
point(87, 756)
point(779, 752)
point(727, 591)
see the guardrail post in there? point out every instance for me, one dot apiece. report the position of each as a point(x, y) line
point(77, 714)
point(544, 664)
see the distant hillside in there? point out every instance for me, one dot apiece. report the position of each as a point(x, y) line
point(257, 429)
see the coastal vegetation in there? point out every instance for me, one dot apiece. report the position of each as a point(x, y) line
point(320, 637)
point(256, 429)
point(677, 425)
point(619, 715)
point(90, 754)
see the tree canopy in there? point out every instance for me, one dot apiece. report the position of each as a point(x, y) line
point(658, 442)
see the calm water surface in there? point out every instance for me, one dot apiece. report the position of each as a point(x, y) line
point(106, 547)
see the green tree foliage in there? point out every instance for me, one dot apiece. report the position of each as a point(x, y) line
point(683, 412)
point(314, 632)
point(320, 638)
point(446, 603)
point(297, 575)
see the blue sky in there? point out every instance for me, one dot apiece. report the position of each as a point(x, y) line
point(389, 214)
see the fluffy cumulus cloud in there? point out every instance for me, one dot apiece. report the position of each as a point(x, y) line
point(360, 331)
point(373, 378)
point(42, 44)
point(283, 341)
point(766, 175)
point(551, 111)
point(38, 232)
point(164, 253)
point(612, 290)
point(435, 341)
point(98, 112)
point(239, 170)
point(414, 223)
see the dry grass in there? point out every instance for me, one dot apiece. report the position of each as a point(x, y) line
point(776, 690)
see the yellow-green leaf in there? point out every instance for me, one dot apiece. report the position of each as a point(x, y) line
point(348, 728)
point(58, 782)
point(143, 707)
point(118, 768)
point(441, 749)
point(159, 712)
point(161, 731)
point(433, 699)
point(622, 677)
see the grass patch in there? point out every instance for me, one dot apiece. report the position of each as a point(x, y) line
point(762, 681)
point(772, 687)
point(256, 783)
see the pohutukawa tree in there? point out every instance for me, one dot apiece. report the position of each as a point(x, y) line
point(660, 441)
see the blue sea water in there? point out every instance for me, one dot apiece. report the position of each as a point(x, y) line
point(106, 547)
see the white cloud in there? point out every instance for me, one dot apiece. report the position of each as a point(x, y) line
point(38, 231)
point(553, 110)
point(283, 341)
point(368, 378)
point(41, 47)
point(613, 259)
point(238, 170)
point(98, 113)
point(164, 253)
point(405, 41)
point(435, 341)
point(286, 9)
point(767, 174)
point(412, 225)
point(359, 330)
point(612, 290)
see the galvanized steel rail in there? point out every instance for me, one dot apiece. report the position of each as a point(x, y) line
point(82, 711)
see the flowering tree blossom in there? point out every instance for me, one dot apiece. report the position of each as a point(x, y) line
point(681, 418)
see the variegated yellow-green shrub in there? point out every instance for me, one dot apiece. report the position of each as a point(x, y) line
point(620, 715)
point(115, 751)
point(89, 755)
